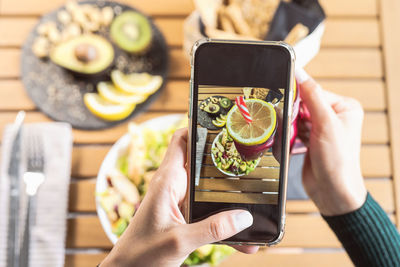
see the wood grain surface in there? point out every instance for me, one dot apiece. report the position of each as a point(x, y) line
point(391, 41)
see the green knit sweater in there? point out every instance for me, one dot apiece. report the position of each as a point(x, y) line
point(368, 235)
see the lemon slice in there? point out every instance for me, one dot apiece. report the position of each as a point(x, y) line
point(136, 83)
point(294, 91)
point(105, 109)
point(108, 91)
point(218, 123)
point(259, 130)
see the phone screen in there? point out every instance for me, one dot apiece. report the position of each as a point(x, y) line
point(239, 111)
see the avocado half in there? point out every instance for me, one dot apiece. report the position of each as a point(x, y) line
point(87, 54)
point(131, 31)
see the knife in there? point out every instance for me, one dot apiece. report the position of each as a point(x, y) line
point(13, 211)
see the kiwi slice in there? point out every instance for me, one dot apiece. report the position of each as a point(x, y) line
point(131, 31)
point(225, 103)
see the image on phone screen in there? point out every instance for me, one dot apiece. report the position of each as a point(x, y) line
point(239, 139)
point(236, 132)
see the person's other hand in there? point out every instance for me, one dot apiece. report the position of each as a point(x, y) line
point(332, 173)
point(158, 234)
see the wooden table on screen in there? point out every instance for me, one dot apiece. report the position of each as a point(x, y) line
point(358, 58)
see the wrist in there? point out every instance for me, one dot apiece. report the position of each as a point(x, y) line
point(336, 203)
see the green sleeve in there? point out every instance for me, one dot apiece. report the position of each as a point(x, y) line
point(368, 235)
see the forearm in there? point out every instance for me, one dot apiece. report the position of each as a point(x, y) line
point(368, 235)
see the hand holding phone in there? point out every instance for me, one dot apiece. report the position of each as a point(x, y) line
point(240, 115)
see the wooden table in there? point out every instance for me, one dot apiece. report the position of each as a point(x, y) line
point(358, 58)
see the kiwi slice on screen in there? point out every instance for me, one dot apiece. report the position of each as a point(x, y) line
point(131, 31)
point(225, 103)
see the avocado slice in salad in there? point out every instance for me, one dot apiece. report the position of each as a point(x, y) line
point(205, 250)
point(119, 226)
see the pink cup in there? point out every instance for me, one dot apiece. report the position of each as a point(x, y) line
point(255, 151)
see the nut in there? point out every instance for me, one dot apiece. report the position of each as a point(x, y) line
point(64, 17)
point(71, 6)
point(107, 15)
point(44, 28)
point(54, 35)
point(90, 26)
point(41, 47)
point(73, 29)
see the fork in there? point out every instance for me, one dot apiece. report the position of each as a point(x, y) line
point(33, 178)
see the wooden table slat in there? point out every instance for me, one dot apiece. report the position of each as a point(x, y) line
point(371, 94)
point(343, 8)
point(339, 32)
point(238, 185)
point(355, 8)
point(264, 258)
point(349, 63)
point(234, 197)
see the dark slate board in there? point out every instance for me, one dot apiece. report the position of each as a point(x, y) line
point(205, 120)
point(59, 94)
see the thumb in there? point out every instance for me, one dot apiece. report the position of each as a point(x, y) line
point(217, 227)
point(313, 97)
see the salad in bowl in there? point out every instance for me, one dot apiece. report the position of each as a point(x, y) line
point(124, 177)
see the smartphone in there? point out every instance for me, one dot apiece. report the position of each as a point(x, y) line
point(239, 129)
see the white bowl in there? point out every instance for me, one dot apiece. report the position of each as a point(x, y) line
point(110, 161)
point(215, 163)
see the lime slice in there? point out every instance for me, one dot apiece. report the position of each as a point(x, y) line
point(136, 83)
point(259, 130)
point(105, 109)
point(108, 91)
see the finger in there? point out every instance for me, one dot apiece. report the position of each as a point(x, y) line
point(333, 98)
point(351, 113)
point(176, 153)
point(246, 249)
point(217, 227)
point(304, 130)
point(315, 101)
point(348, 104)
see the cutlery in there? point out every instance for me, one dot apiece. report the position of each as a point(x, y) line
point(13, 212)
point(33, 178)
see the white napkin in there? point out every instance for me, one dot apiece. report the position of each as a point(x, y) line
point(47, 243)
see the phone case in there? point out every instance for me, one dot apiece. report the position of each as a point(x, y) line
point(283, 188)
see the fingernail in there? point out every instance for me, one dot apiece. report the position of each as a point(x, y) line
point(301, 75)
point(242, 220)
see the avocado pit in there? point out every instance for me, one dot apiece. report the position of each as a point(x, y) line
point(86, 52)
